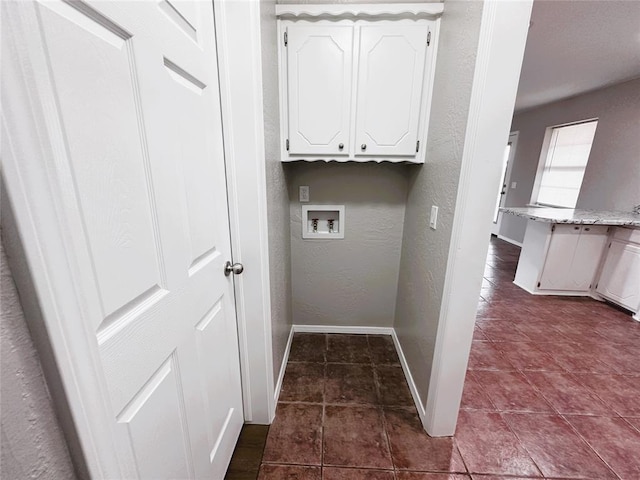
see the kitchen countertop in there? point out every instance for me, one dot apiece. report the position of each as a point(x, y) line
point(575, 216)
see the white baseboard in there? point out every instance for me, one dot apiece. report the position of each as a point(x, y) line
point(353, 330)
point(412, 384)
point(510, 240)
point(283, 367)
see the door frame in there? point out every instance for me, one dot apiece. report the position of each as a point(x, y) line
point(31, 153)
point(495, 227)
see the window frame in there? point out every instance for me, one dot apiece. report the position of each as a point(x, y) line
point(544, 152)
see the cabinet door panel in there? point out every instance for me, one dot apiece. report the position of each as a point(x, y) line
point(319, 80)
point(556, 274)
point(587, 257)
point(391, 67)
point(620, 278)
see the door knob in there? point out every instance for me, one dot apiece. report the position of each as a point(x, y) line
point(236, 268)
point(363, 146)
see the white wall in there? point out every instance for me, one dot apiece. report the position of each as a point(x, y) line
point(612, 177)
point(425, 252)
point(353, 281)
point(277, 197)
point(32, 444)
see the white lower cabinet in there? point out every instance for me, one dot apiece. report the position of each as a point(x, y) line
point(573, 257)
point(620, 277)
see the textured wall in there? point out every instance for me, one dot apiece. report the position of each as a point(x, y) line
point(351, 281)
point(32, 443)
point(424, 251)
point(613, 173)
point(277, 198)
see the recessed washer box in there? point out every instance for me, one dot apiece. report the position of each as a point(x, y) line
point(323, 221)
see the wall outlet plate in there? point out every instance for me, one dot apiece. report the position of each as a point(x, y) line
point(323, 221)
point(303, 193)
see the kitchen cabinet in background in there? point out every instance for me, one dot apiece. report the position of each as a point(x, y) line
point(619, 280)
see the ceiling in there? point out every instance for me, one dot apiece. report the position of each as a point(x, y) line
point(576, 46)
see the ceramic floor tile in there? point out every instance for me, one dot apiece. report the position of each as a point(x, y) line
point(473, 396)
point(354, 436)
point(334, 473)
point(525, 356)
point(350, 384)
point(510, 391)
point(430, 476)
point(383, 350)
point(635, 422)
point(556, 448)
point(308, 347)
point(620, 392)
point(413, 449)
point(485, 356)
point(348, 349)
point(295, 435)
point(617, 443)
point(392, 386)
point(503, 331)
point(488, 445)
point(289, 472)
point(303, 382)
point(566, 394)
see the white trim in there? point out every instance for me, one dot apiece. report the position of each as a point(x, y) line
point(503, 34)
point(240, 70)
point(362, 10)
point(407, 374)
point(510, 240)
point(283, 367)
point(350, 330)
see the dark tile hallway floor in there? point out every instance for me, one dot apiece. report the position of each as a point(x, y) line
point(552, 390)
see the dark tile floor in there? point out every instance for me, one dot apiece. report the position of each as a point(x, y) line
point(552, 390)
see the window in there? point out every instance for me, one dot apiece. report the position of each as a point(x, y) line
point(567, 153)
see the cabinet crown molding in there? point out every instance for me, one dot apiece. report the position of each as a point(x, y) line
point(362, 10)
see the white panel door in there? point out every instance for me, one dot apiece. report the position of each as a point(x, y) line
point(620, 277)
point(319, 88)
point(137, 111)
point(391, 72)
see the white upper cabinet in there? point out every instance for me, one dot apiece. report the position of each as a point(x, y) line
point(355, 84)
point(390, 75)
point(319, 79)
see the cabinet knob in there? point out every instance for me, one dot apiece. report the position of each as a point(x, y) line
point(341, 146)
point(363, 146)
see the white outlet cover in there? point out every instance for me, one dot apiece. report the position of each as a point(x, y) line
point(514, 185)
point(303, 193)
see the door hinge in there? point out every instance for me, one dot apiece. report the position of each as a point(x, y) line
point(417, 146)
point(286, 143)
point(286, 39)
point(429, 38)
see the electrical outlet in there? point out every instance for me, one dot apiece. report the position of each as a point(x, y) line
point(514, 185)
point(304, 193)
point(433, 221)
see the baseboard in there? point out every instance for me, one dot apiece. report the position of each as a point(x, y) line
point(407, 375)
point(510, 240)
point(352, 330)
point(283, 367)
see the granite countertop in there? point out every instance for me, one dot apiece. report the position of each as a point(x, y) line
point(575, 216)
